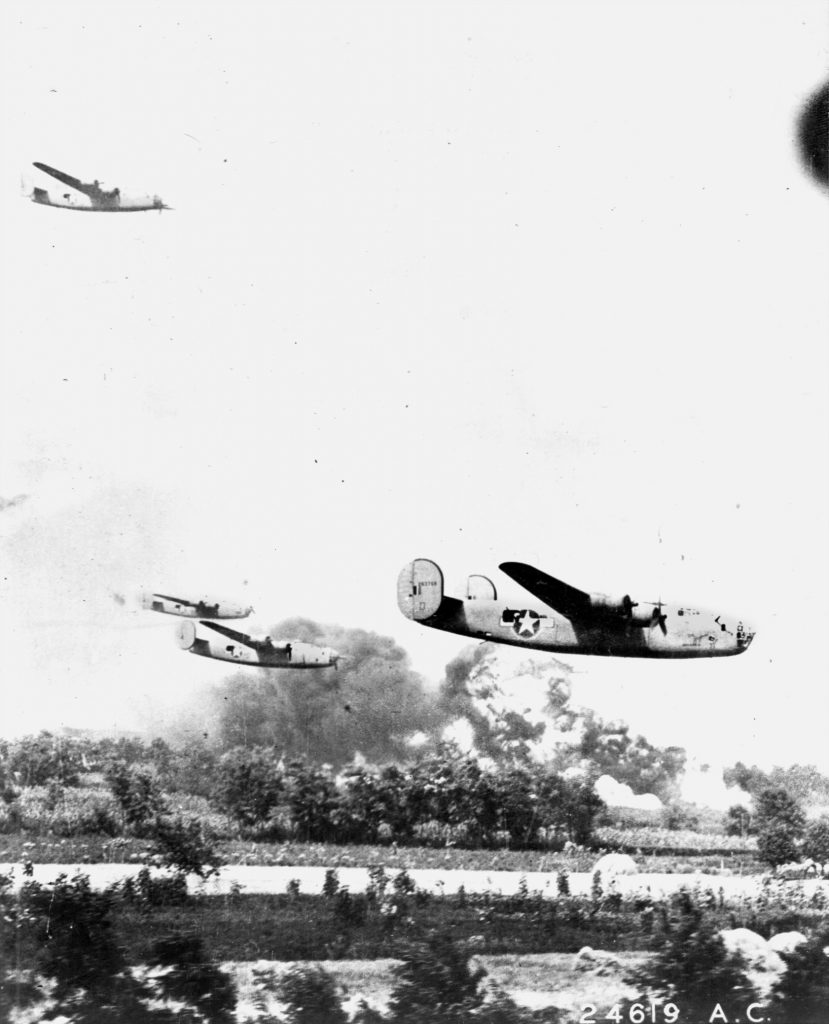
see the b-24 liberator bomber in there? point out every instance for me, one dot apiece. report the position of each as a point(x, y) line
point(231, 645)
point(203, 608)
point(565, 620)
point(92, 198)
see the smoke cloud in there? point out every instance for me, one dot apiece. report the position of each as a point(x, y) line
point(505, 712)
point(371, 706)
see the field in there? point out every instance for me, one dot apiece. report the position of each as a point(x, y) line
point(522, 903)
point(532, 980)
point(91, 849)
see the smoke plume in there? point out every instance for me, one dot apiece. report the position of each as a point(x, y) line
point(370, 706)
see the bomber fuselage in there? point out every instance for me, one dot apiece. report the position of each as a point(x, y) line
point(658, 630)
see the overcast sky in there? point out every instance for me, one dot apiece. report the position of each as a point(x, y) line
point(475, 282)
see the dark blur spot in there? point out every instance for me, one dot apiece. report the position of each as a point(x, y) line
point(813, 135)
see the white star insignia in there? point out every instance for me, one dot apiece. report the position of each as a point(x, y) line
point(527, 623)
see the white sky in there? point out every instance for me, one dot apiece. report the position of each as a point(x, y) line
point(474, 282)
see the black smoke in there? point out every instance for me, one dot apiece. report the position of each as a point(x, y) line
point(373, 705)
point(813, 135)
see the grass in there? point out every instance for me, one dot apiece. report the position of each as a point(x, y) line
point(92, 849)
point(243, 927)
point(538, 979)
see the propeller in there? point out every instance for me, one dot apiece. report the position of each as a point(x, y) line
point(659, 617)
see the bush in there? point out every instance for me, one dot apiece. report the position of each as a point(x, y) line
point(802, 994)
point(310, 995)
point(189, 978)
point(185, 845)
point(435, 984)
point(150, 891)
point(694, 970)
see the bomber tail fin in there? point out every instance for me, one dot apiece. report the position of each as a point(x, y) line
point(420, 589)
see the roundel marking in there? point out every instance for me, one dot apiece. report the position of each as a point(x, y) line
point(526, 623)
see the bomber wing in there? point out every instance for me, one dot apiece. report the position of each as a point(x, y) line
point(177, 600)
point(67, 179)
point(248, 641)
point(573, 603)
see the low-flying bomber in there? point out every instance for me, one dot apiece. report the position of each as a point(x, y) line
point(92, 198)
point(566, 620)
point(204, 608)
point(231, 645)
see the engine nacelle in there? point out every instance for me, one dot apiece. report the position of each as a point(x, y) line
point(623, 607)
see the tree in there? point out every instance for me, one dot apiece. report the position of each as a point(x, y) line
point(816, 839)
point(779, 822)
point(312, 797)
point(39, 760)
point(250, 784)
point(139, 795)
point(64, 931)
point(737, 821)
point(776, 804)
point(775, 844)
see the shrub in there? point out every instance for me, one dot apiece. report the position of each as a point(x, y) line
point(185, 845)
point(435, 984)
point(695, 971)
point(802, 993)
point(310, 996)
point(160, 891)
point(189, 978)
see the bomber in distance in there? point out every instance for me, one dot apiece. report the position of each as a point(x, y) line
point(203, 608)
point(92, 198)
point(260, 652)
point(563, 619)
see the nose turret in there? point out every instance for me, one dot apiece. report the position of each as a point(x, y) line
point(745, 634)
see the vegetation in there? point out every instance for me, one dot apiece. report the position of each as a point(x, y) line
point(61, 950)
point(802, 994)
point(804, 783)
point(816, 840)
point(694, 971)
point(780, 823)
